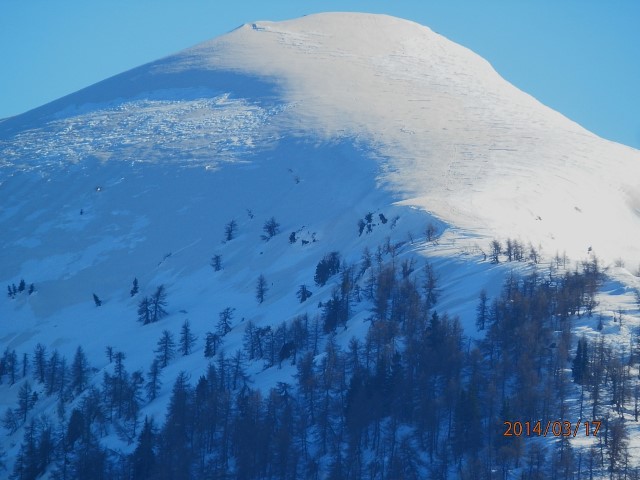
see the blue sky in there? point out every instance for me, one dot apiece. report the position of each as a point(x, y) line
point(580, 57)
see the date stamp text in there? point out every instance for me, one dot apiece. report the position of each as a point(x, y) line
point(555, 428)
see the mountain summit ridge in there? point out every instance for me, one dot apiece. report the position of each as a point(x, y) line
point(454, 137)
point(451, 136)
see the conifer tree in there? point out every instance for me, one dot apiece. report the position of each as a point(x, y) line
point(158, 302)
point(40, 362)
point(165, 350)
point(328, 266)
point(154, 383)
point(26, 465)
point(9, 365)
point(496, 250)
point(25, 364)
point(482, 310)
point(261, 288)
point(79, 371)
point(144, 311)
point(176, 432)
point(431, 232)
point(216, 262)
point(230, 230)
point(212, 341)
point(144, 456)
point(430, 286)
point(187, 339)
point(271, 228)
point(97, 301)
point(224, 322)
point(134, 288)
point(11, 420)
point(580, 363)
point(108, 351)
point(303, 293)
point(52, 377)
point(25, 401)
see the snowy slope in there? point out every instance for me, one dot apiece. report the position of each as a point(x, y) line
point(451, 136)
point(316, 122)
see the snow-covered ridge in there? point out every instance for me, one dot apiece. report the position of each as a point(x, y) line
point(452, 136)
point(460, 141)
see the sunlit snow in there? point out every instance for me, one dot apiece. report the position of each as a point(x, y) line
point(316, 122)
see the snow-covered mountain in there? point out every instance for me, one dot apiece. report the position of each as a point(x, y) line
point(315, 122)
point(449, 135)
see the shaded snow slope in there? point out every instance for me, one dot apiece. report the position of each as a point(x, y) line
point(451, 136)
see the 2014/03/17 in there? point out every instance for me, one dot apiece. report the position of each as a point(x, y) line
point(556, 428)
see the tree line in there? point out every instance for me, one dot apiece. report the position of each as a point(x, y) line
point(413, 398)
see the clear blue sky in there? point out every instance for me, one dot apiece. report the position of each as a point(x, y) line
point(580, 57)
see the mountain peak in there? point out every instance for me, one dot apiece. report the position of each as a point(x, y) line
point(457, 139)
point(450, 135)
